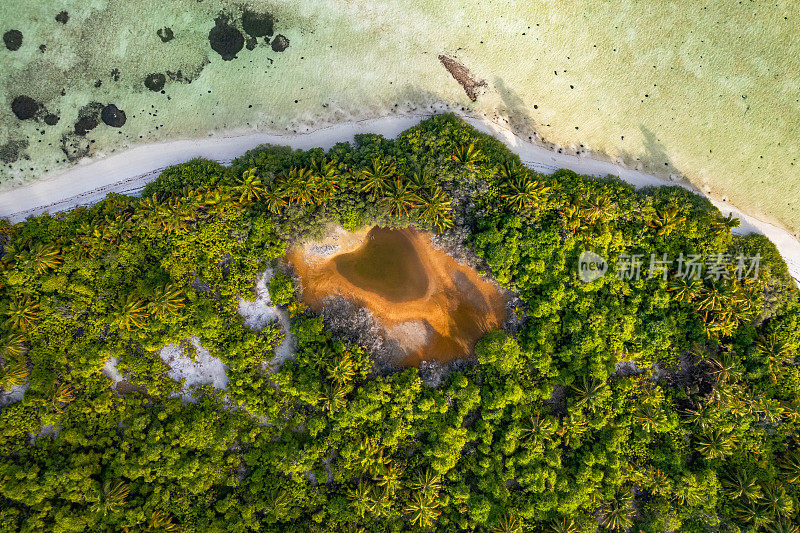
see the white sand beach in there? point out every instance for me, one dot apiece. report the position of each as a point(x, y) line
point(127, 172)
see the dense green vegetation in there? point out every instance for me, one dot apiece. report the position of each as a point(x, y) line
point(542, 433)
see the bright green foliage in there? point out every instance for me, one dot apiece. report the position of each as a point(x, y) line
point(550, 428)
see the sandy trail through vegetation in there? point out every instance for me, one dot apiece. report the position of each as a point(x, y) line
point(455, 308)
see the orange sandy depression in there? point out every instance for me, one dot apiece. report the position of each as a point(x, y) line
point(433, 307)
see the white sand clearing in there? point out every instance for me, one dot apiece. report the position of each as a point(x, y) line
point(111, 372)
point(13, 395)
point(260, 312)
point(129, 171)
point(203, 369)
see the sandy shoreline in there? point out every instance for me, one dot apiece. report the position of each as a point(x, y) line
point(127, 172)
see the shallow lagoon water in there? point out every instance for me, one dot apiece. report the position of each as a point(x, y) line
point(387, 265)
point(706, 91)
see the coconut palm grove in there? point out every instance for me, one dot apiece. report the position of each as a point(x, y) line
point(654, 399)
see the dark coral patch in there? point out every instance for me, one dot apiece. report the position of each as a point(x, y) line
point(13, 150)
point(85, 125)
point(257, 24)
point(62, 17)
point(13, 39)
point(165, 34)
point(25, 107)
point(113, 116)
point(51, 120)
point(225, 39)
point(280, 43)
point(88, 118)
point(74, 146)
point(155, 82)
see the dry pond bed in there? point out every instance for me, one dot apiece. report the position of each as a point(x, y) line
point(432, 307)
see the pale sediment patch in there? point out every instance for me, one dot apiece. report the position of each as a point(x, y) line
point(13, 394)
point(111, 372)
point(336, 241)
point(259, 313)
point(48, 430)
point(412, 335)
point(202, 369)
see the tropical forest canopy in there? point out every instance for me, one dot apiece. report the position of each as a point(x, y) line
point(552, 427)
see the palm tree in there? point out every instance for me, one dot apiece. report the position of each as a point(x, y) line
point(275, 199)
point(326, 178)
point(423, 510)
point(63, 394)
point(300, 186)
point(12, 253)
point(434, 209)
point(151, 212)
point(536, 431)
point(776, 353)
point(279, 503)
point(508, 523)
point(563, 525)
point(466, 153)
point(727, 367)
point(753, 513)
point(522, 193)
point(129, 314)
point(370, 452)
point(725, 225)
point(782, 526)
point(376, 176)
point(43, 257)
point(420, 179)
point(167, 301)
point(111, 498)
point(738, 484)
point(390, 478)
point(666, 220)
point(250, 187)
point(160, 521)
point(427, 483)
point(14, 372)
point(398, 198)
point(685, 289)
point(587, 391)
point(12, 345)
point(650, 416)
point(711, 299)
point(22, 313)
point(361, 498)
point(715, 444)
point(333, 396)
point(598, 208)
point(510, 169)
point(215, 201)
point(790, 467)
point(777, 502)
point(341, 369)
point(617, 514)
